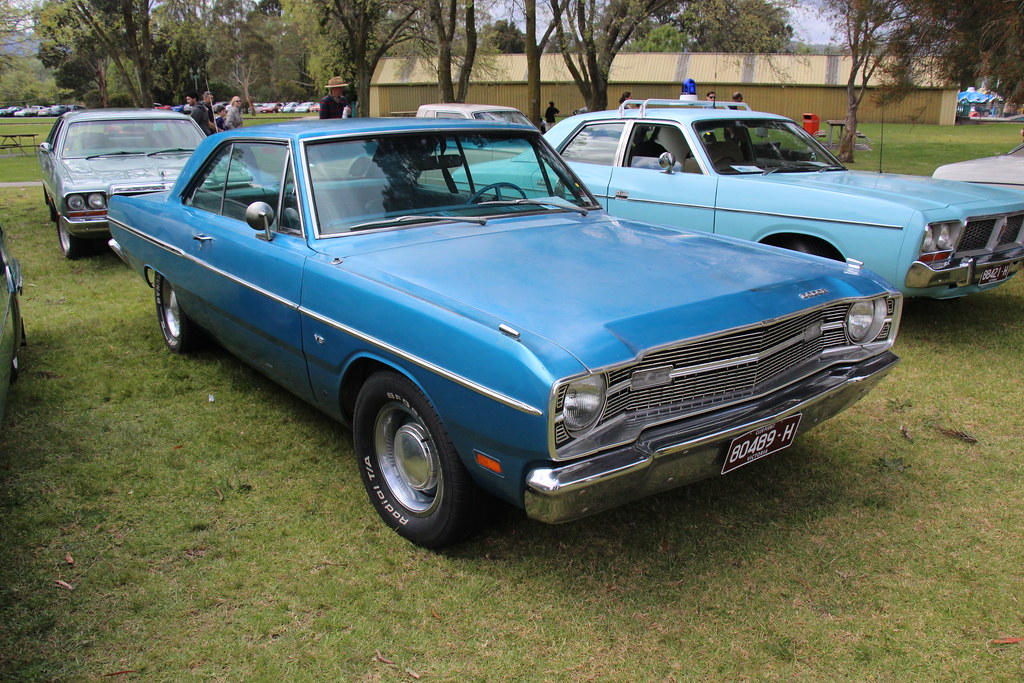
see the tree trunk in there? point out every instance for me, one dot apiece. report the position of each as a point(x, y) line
point(532, 63)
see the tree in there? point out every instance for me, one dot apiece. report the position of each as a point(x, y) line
point(737, 26)
point(13, 22)
point(78, 61)
point(878, 35)
point(124, 28)
point(445, 18)
point(589, 33)
point(368, 29)
point(506, 37)
point(239, 30)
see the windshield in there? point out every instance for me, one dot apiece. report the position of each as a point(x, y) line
point(119, 137)
point(506, 116)
point(762, 146)
point(409, 179)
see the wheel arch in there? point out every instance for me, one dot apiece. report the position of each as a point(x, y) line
point(802, 242)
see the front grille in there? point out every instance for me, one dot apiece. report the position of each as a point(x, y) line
point(978, 233)
point(1011, 231)
point(723, 369)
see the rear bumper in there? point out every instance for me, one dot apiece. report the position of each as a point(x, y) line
point(684, 452)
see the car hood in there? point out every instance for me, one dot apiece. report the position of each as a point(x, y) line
point(603, 289)
point(858, 196)
point(114, 169)
point(1005, 169)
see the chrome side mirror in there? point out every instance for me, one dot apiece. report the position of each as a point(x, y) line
point(667, 161)
point(259, 216)
point(44, 147)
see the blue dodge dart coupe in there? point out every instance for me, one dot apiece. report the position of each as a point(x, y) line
point(451, 290)
point(761, 177)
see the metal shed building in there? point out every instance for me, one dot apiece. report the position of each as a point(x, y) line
point(790, 85)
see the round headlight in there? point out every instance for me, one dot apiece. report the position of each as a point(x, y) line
point(76, 202)
point(583, 402)
point(97, 201)
point(864, 320)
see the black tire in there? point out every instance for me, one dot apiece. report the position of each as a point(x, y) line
point(73, 247)
point(412, 474)
point(181, 335)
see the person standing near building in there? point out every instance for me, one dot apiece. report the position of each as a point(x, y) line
point(332, 106)
point(549, 115)
point(233, 119)
point(198, 112)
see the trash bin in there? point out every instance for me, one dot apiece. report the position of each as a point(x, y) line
point(811, 123)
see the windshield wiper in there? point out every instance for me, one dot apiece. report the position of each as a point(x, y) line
point(400, 220)
point(114, 154)
point(798, 166)
point(169, 151)
point(831, 168)
point(558, 204)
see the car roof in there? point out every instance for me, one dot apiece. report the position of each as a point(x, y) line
point(463, 107)
point(305, 129)
point(121, 114)
point(680, 110)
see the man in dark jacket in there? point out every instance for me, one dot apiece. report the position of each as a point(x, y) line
point(199, 112)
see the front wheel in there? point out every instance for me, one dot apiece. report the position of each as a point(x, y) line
point(412, 474)
point(73, 247)
point(181, 335)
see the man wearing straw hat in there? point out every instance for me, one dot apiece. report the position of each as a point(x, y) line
point(333, 105)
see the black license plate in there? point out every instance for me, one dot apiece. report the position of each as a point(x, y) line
point(758, 443)
point(994, 274)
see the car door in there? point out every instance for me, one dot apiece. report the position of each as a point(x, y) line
point(47, 154)
point(247, 286)
point(592, 152)
point(682, 197)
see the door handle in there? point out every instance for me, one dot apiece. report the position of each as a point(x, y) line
point(621, 194)
point(201, 238)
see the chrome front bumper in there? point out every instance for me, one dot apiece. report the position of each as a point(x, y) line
point(677, 454)
point(922, 275)
point(85, 227)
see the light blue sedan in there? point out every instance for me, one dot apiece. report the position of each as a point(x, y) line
point(761, 177)
point(451, 290)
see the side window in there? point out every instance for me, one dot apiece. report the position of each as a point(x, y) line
point(650, 141)
point(595, 144)
point(57, 127)
point(289, 216)
point(241, 174)
point(448, 115)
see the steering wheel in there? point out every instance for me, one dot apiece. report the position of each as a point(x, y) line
point(495, 186)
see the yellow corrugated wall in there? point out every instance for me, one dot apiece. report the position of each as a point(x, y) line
point(790, 85)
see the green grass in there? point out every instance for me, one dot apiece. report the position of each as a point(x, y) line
point(218, 530)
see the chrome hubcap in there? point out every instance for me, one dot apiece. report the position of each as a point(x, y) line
point(408, 458)
point(172, 321)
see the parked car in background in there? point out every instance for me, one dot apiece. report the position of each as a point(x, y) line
point(32, 110)
point(289, 108)
point(761, 177)
point(480, 112)
point(1004, 170)
point(91, 155)
point(9, 111)
point(303, 108)
point(268, 108)
point(12, 328)
point(496, 339)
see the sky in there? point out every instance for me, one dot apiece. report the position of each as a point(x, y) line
point(808, 25)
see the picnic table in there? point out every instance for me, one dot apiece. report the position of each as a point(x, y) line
point(16, 141)
point(839, 124)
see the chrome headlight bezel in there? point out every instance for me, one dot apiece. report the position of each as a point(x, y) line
point(583, 403)
point(865, 319)
point(75, 202)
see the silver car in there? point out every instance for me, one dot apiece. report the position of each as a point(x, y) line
point(93, 154)
point(12, 329)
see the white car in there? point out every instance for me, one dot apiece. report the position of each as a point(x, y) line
point(1005, 170)
point(481, 112)
point(303, 108)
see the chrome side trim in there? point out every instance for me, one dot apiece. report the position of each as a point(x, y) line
point(771, 214)
point(380, 344)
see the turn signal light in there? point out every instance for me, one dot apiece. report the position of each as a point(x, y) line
point(488, 463)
